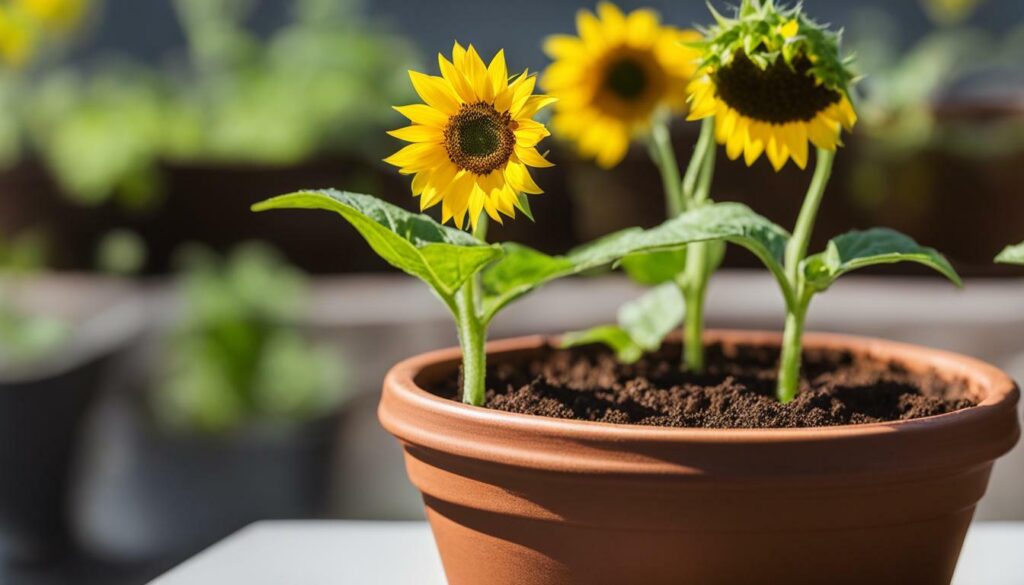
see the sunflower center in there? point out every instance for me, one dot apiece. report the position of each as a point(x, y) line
point(626, 78)
point(777, 95)
point(479, 139)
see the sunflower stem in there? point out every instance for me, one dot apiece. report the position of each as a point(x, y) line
point(694, 283)
point(665, 159)
point(472, 333)
point(695, 169)
point(796, 251)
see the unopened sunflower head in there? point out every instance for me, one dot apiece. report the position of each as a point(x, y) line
point(473, 138)
point(614, 76)
point(774, 80)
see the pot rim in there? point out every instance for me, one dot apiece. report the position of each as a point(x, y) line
point(1000, 394)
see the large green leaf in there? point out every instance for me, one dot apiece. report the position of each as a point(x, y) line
point(730, 222)
point(626, 350)
point(649, 318)
point(1012, 254)
point(441, 256)
point(653, 268)
point(859, 249)
point(519, 271)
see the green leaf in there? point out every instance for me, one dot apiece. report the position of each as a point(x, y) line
point(730, 222)
point(1012, 254)
point(651, 317)
point(653, 268)
point(615, 337)
point(859, 249)
point(441, 256)
point(520, 270)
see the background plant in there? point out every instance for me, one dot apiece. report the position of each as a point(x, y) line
point(234, 96)
point(236, 355)
point(28, 31)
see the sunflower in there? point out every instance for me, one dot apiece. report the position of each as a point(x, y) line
point(611, 78)
point(473, 139)
point(774, 81)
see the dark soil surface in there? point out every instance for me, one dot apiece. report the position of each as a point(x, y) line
point(737, 391)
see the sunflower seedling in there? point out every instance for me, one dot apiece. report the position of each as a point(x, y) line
point(472, 141)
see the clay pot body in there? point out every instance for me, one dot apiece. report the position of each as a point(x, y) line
point(527, 500)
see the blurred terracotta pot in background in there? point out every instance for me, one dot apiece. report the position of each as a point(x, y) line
point(527, 500)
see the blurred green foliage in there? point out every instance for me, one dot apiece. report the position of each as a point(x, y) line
point(905, 100)
point(236, 355)
point(311, 88)
point(24, 337)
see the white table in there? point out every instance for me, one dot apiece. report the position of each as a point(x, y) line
point(399, 553)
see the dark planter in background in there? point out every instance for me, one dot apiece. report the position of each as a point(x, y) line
point(42, 408)
point(153, 494)
point(150, 493)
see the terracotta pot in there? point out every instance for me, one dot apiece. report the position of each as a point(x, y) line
point(525, 500)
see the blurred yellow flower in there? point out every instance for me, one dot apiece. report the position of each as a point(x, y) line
point(16, 39)
point(774, 81)
point(54, 15)
point(473, 138)
point(611, 78)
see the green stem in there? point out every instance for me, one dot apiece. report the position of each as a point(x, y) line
point(472, 338)
point(792, 347)
point(472, 333)
point(665, 158)
point(696, 168)
point(694, 283)
point(796, 251)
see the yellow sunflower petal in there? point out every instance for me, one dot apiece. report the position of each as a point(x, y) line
point(756, 137)
point(534, 104)
point(497, 72)
point(477, 197)
point(529, 133)
point(418, 133)
point(476, 72)
point(796, 139)
point(823, 132)
point(737, 139)
point(642, 27)
point(589, 28)
point(519, 177)
point(522, 88)
point(435, 91)
point(420, 182)
point(776, 148)
point(455, 77)
point(613, 22)
point(417, 156)
point(724, 125)
point(423, 114)
point(564, 47)
point(528, 155)
point(613, 150)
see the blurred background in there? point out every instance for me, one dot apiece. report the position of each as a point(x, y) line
point(173, 367)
